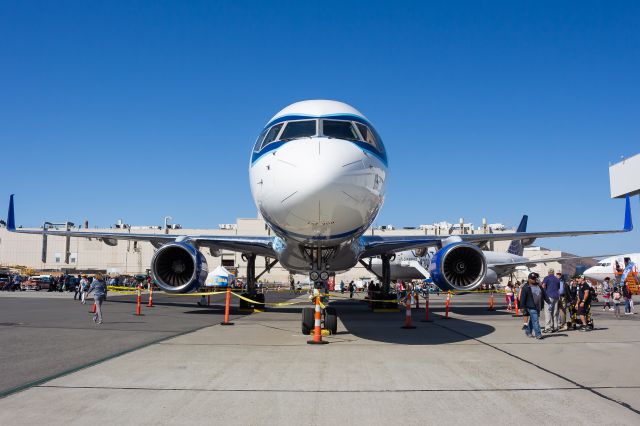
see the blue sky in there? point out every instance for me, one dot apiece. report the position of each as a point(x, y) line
point(138, 110)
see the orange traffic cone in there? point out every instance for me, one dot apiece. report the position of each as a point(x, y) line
point(150, 304)
point(426, 309)
point(407, 317)
point(491, 301)
point(226, 308)
point(317, 332)
point(446, 305)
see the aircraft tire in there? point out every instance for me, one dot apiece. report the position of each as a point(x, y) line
point(243, 303)
point(260, 298)
point(307, 320)
point(331, 320)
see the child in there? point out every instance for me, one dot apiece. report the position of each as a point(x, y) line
point(617, 297)
point(509, 295)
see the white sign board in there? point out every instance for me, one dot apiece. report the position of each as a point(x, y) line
point(624, 177)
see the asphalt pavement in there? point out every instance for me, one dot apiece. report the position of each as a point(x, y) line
point(476, 367)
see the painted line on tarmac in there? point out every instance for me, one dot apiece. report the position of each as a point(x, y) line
point(142, 388)
point(553, 373)
point(38, 382)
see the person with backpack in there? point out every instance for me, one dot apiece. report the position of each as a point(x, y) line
point(532, 297)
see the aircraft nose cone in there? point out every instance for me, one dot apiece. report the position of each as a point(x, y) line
point(322, 188)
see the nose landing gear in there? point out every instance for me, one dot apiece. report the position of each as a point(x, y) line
point(319, 274)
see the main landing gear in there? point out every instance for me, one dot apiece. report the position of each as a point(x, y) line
point(251, 292)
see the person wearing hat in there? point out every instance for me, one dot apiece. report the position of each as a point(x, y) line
point(99, 289)
point(532, 297)
point(551, 285)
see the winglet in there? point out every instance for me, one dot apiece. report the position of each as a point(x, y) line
point(628, 222)
point(11, 217)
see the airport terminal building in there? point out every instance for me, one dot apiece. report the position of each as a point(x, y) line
point(80, 255)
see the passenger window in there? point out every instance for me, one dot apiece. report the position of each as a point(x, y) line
point(367, 134)
point(299, 129)
point(271, 135)
point(339, 129)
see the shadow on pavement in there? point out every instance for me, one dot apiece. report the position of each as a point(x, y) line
point(386, 327)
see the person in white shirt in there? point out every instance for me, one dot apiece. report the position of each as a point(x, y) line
point(84, 288)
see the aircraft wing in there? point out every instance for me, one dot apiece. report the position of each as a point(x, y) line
point(542, 260)
point(377, 245)
point(257, 245)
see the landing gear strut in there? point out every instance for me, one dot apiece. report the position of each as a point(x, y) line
point(318, 274)
point(385, 287)
point(251, 292)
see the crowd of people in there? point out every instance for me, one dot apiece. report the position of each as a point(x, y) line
point(565, 306)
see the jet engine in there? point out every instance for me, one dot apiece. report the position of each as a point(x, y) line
point(179, 268)
point(458, 266)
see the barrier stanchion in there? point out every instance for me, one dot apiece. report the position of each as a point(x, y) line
point(150, 304)
point(491, 301)
point(317, 332)
point(446, 305)
point(426, 309)
point(407, 316)
point(209, 299)
point(226, 308)
point(415, 295)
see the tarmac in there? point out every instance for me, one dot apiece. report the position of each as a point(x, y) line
point(173, 366)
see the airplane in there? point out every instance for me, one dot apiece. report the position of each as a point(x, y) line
point(318, 174)
point(612, 267)
point(414, 264)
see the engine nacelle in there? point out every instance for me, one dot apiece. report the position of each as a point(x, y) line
point(179, 268)
point(458, 266)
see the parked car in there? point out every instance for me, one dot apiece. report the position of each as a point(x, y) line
point(5, 282)
point(37, 283)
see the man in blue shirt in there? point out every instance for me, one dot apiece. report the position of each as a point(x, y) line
point(551, 285)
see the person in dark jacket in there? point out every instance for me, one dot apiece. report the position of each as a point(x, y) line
point(532, 297)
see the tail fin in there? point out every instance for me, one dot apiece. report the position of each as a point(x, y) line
point(516, 246)
point(11, 216)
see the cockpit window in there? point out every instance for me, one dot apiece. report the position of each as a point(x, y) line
point(256, 147)
point(299, 129)
point(271, 135)
point(339, 129)
point(368, 135)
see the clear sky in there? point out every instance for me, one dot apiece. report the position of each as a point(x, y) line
point(138, 110)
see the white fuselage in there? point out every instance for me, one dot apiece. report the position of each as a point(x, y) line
point(317, 190)
point(607, 267)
